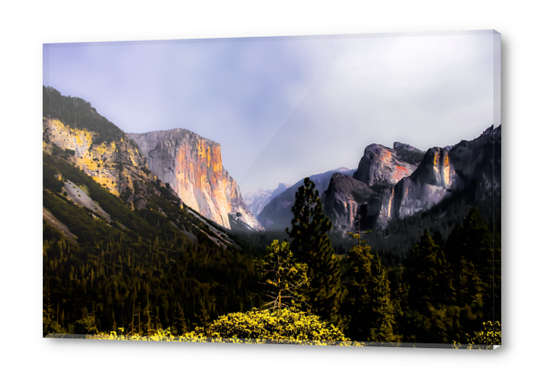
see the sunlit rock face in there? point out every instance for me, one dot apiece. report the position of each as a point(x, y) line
point(473, 166)
point(382, 166)
point(470, 167)
point(192, 165)
point(116, 164)
point(434, 179)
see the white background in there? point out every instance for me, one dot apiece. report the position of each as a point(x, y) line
point(25, 26)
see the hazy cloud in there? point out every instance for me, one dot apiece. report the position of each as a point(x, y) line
point(285, 108)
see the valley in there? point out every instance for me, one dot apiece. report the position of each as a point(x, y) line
point(149, 231)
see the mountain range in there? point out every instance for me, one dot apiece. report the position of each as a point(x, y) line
point(389, 187)
point(397, 192)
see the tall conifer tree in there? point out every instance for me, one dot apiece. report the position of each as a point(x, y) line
point(283, 278)
point(311, 245)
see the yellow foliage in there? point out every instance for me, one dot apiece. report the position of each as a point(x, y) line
point(89, 163)
point(281, 325)
point(486, 338)
point(166, 336)
point(102, 149)
point(108, 183)
point(58, 124)
point(82, 136)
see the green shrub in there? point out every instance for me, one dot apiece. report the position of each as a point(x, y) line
point(279, 324)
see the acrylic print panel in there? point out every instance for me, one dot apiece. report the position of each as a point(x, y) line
point(337, 190)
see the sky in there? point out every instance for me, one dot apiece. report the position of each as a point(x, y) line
point(283, 108)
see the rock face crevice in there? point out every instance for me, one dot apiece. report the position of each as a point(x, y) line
point(192, 165)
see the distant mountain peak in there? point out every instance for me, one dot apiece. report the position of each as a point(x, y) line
point(257, 198)
point(277, 214)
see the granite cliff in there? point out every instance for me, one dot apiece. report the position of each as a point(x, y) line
point(470, 167)
point(382, 166)
point(192, 165)
point(427, 186)
point(367, 194)
point(343, 199)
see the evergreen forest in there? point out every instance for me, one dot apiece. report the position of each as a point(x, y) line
point(160, 270)
point(144, 277)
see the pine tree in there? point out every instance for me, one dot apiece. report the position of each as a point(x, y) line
point(284, 279)
point(311, 245)
point(368, 302)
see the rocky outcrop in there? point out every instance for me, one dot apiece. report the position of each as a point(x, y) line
point(277, 215)
point(55, 223)
point(471, 168)
point(427, 186)
point(379, 170)
point(377, 212)
point(385, 167)
point(404, 181)
point(192, 165)
point(115, 163)
point(478, 163)
point(343, 199)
